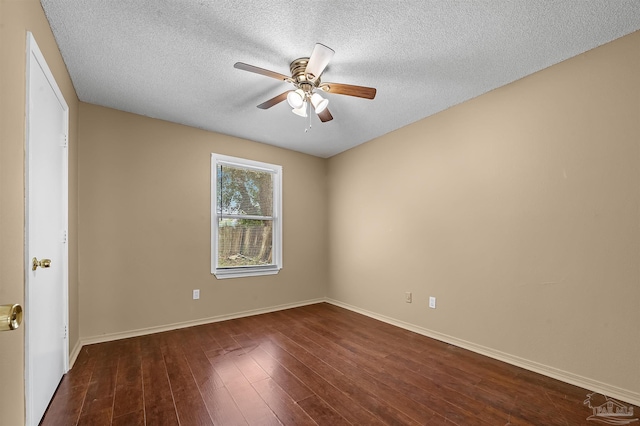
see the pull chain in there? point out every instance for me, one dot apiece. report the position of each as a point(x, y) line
point(306, 130)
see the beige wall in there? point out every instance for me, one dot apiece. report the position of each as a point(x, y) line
point(145, 225)
point(16, 18)
point(518, 210)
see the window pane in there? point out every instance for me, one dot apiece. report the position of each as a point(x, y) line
point(244, 242)
point(244, 191)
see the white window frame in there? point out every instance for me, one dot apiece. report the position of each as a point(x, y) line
point(246, 271)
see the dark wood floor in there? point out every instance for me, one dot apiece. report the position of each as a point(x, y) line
point(317, 364)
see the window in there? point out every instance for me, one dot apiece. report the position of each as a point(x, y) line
point(246, 217)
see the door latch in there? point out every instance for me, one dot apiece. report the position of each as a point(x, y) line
point(44, 263)
point(10, 317)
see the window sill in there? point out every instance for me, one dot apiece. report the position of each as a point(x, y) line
point(224, 273)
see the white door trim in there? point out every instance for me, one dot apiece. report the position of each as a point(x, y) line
point(34, 54)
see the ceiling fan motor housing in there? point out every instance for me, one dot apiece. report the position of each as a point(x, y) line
point(300, 78)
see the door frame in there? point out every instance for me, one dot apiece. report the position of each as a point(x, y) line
point(34, 54)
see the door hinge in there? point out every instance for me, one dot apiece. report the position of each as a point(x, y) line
point(63, 236)
point(64, 140)
point(65, 332)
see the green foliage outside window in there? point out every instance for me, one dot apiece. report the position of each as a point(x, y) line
point(245, 222)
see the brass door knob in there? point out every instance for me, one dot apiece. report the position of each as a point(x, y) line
point(10, 317)
point(44, 263)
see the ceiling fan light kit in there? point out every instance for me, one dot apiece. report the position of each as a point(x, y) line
point(305, 76)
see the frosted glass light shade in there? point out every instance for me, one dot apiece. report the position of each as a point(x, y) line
point(295, 98)
point(319, 103)
point(302, 111)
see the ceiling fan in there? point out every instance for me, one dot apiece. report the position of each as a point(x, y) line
point(305, 76)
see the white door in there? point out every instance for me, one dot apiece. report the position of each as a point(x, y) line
point(46, 346)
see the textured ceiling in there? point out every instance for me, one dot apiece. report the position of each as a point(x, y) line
point(173, 59)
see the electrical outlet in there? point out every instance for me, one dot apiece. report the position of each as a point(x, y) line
point(432, 302)
point(407, 297)
point(196, 294)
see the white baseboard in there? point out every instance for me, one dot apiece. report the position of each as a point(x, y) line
point(564, 376)
point(168, 327)
point(74, 353)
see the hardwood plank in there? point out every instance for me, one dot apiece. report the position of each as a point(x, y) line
point(338, 400)
point(206, 337)
point(96, 417)
point(128, 398)
point(452, 391)
point(193, 343)
point(158, 399)
point(226, 369)
point(252, 407)
point(285, 408)
point(222, 408)
point(98, 402)
point(321, 412)
point(188, 401)
point(537, 414)
point(129, 390)
point(161, 416)
point(358, 390)
point(276, 371)
point(414, 395)
point(203, 372)
point(225, 341)
point(250, 368)
point(296, 389)
point(135, 418)
point(418, 398)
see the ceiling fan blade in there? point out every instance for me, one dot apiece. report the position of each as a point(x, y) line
point(258, 70)
point(349, 90)
point(274, 101)
point(318, 61)
point(325, 115)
